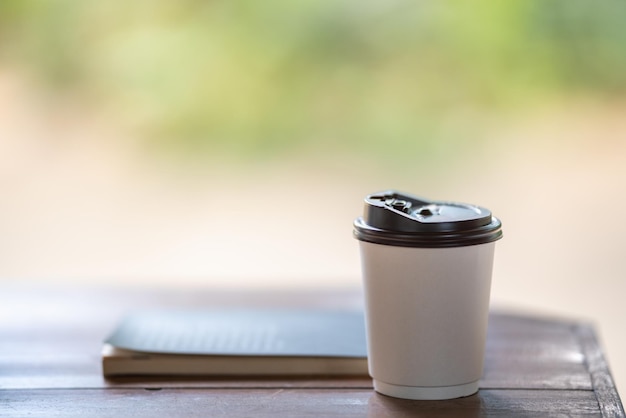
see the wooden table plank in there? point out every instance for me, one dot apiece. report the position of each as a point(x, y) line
point(604, 388)
point(289, 402)
point(50, 341)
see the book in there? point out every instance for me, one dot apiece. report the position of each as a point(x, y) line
point(230, 342)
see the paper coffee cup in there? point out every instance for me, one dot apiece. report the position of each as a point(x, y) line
point(427, 277)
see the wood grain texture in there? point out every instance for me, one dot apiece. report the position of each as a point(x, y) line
point(290, 403)
point(603, 385)
point(50, 341)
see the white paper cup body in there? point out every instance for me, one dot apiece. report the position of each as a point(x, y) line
point(426, 314)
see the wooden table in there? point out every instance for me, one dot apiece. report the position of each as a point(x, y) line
point(50, 341)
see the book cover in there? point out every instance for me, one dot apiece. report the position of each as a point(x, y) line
point(237, 342)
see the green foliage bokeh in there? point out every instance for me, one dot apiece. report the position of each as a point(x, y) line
point(252, 77)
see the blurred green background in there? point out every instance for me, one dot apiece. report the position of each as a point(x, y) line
point(397, 79)
point(230, 143)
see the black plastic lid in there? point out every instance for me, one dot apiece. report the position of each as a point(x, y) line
point(394, 218)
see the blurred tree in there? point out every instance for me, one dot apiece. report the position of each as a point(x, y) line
point(394, 78)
